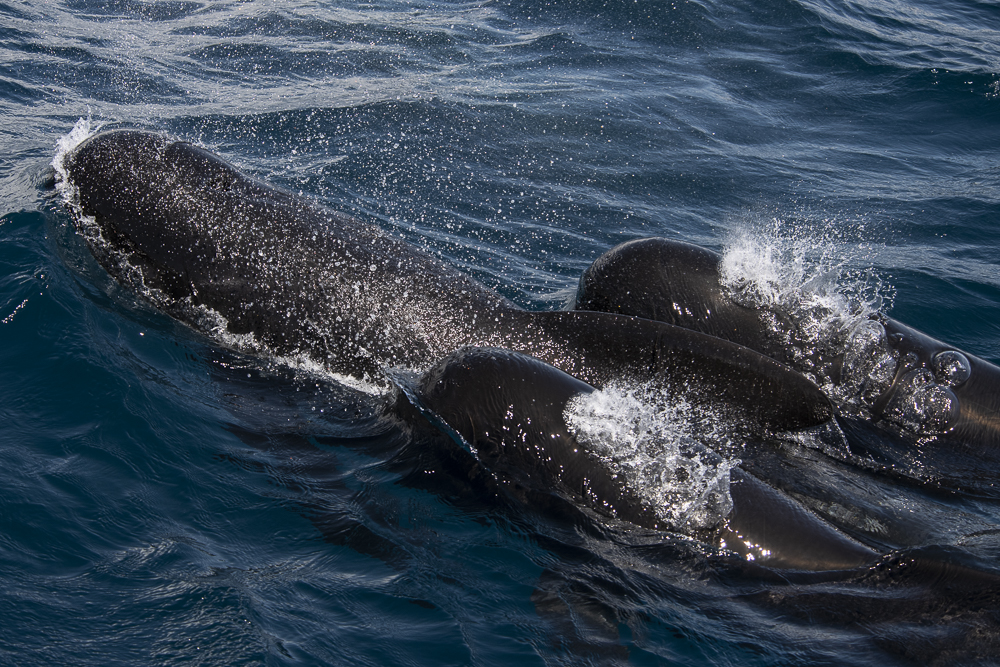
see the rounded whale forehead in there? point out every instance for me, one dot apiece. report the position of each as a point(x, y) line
point(154, 191)
point(122, 153)
point(124, 157)
point(156, 200)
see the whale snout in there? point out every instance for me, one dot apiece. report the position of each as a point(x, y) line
point(114, 172)
point(120, 179)
point(147, 197)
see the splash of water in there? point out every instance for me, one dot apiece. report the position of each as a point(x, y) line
point(809, 282)
point(650, 447)
point(827, 311)
point(66, 144)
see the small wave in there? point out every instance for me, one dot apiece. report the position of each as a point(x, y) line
point(945, 35)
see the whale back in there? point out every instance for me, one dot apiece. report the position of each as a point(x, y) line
point(678, 283)
point(728, 382)
point(510, 412)
point(507, 410)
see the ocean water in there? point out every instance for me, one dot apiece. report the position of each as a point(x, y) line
point(166, 500)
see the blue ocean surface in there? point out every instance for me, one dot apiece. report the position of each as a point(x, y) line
point(168, 500)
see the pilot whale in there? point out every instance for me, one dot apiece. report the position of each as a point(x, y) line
point(509, 409)
point(260, 268)
point(936, 409)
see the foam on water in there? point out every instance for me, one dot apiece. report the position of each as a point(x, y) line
point(85, 224)
point(650, 447)
point(216, 326)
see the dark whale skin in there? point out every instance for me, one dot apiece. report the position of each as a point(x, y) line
point(509, 410)
point(203, 240)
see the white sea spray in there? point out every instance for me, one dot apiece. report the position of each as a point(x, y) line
point(814, 287)
point(826, 300)
point(81, 131)
point(648, 445)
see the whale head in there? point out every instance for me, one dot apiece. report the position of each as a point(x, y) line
point(149, 204)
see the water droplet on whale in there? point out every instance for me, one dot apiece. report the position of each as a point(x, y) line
point(951, 368)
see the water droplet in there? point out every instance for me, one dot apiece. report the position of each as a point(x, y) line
point(868, 367)
point(951, 367)
point(922, 405)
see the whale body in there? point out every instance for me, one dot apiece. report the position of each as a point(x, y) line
point(509, 410)
point(262, 270)
point(259, 268)
point(265, 270)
